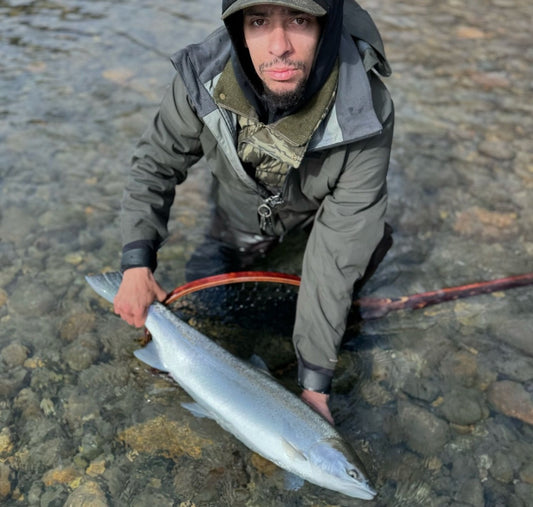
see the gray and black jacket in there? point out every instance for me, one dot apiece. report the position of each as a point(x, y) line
point(340, 185)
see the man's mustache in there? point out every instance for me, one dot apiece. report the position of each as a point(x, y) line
point(285, 62)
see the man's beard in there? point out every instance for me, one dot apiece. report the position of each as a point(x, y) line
point(284, 101)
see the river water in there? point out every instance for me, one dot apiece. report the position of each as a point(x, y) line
point(438, 402)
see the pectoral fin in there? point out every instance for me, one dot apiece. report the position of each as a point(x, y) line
point(150, 356)
point(292, 452)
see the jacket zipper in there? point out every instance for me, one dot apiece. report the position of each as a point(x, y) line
point(266, 209)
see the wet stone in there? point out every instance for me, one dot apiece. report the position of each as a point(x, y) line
point(511, 399)
point(82, 353)
point(60, 475)
point(525, 492)
point(43, 378)
point(32, 299)
point(526, 473)
point(375, 394)
point(152, 497)
point(27, 401)
point(494, 149)
point(34, 494)
point(11, 382)
point(424, 389)
point(6, 444)
point(471, 493)
point(3, 297)
point(464, 406)
point(48, 452)
point(91, 446)
point(105, 375)
point(164, 437)
point(477, 222)
point(460, 368)
point(515, 332)
point(519, 369)
point(15, 354)
point(5, 481)
point(79, 408)
point(463, 466)
point(76, 324)
point(502, 469)
point(424, 432)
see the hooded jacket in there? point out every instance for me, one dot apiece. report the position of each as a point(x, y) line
point(327, 50)
point(340, 184)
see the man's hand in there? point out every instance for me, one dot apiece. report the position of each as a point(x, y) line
point(319, 403)
point(136, 293)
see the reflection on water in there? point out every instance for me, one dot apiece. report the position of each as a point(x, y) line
point(438, 402)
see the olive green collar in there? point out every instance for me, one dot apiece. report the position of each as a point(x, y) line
point(297, 128)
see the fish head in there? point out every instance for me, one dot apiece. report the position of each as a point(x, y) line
point(337, 467)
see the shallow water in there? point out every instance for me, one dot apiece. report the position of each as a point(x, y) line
point(438, 402)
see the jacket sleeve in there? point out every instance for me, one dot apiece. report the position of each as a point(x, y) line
point(165, 152)
point(347, 228)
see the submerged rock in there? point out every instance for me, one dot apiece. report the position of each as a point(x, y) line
point(495, 149)
point(11, 382)
point(61, 475)
point(15, 354)
point(5, 482)
point(424, 432)
point(32, 299)
point(89, 494)
point(164, 437)
point(76, 324)
point(464, 406)
point(6, 444)
point(471, 492)
point(502, 468)
point(82, 352)
point(485, 224)
point(515, 332)
point(526, 473)
point(511, 399)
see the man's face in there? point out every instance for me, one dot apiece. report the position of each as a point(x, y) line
point(282, 45)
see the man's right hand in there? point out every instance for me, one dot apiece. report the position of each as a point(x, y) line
point(136, 293)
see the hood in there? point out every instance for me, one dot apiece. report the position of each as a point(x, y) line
point(327, 51)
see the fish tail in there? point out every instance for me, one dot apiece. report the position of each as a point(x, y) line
point(106, 284)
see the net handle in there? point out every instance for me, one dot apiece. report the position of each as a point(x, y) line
point(369, 308)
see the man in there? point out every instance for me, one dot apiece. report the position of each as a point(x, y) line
point(285, 104)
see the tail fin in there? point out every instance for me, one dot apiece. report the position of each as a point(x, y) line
point(106, 284)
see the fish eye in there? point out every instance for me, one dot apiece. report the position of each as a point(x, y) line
point(354, 474)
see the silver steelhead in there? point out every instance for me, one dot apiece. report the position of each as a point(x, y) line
point(247, 402)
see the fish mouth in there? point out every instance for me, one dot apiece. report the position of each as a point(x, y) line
point(367, 493)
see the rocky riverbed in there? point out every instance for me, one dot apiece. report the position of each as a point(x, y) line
point(438, 402)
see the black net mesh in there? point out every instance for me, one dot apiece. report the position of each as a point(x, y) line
point(246, 318)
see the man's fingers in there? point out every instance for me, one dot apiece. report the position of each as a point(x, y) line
point(161, 295)
point(134, 317)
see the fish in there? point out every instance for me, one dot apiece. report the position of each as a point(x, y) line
point(248, 402)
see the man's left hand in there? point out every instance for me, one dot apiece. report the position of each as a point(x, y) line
point(319, 403)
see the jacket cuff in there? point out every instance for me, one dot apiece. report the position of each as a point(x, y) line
point(314, 378)
point(139, 254)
